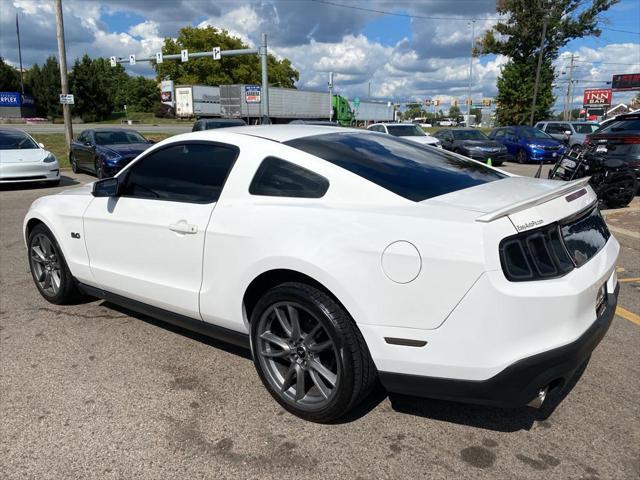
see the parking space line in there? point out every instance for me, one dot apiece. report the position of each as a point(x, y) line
point(629, 280)
point(627, 315)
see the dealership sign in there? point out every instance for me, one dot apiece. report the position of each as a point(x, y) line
point(627, 81)
point(597, 97)
point(9, 99)
point(252, 93)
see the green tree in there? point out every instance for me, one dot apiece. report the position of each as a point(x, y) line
point(518, 37)
point(44, 84)
point(413, 111)
point(454, 111)
point(9, 78)
point(206, 71)
point(478, 114)
point(139, 94)
point(95, 86)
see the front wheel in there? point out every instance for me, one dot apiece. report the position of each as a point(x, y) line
point(309, 353)
point(74, 163)
point(522, 156)
point(48, 267)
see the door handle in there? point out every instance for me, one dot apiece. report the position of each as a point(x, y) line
point(183, 227)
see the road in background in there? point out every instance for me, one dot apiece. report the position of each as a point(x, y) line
point(96, 391)
point(78, 127)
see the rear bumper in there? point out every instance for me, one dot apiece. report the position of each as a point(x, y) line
point(520, 382)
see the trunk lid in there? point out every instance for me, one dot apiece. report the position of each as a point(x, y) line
point(527, 202)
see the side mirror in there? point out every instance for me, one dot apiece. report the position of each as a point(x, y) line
point(151, 141)
point(88, 144)
point(107, 187)
point(41, 145)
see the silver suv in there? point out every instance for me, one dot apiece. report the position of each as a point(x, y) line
point(571, 133)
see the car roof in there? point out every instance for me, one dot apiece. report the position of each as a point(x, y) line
point(283, 133)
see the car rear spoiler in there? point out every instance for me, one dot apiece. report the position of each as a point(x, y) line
point(562, 189)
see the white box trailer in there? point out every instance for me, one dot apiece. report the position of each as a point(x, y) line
point(373, 111)
point(197, 101)
point(285, 104)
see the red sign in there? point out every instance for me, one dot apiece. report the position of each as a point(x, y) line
point(597, 97)
point(627, 81)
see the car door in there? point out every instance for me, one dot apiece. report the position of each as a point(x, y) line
point(447, 140)
point(80, 150)
point(147, 243)
point(511, 141)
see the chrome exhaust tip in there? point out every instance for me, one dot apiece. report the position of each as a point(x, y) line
point(539, 399)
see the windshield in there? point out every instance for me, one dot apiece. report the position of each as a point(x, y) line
point(530, 132)
point(631, 125)
point(405, 130)
point(585, 128)
point(16, 141)
point(115, 137)
point(405, 168)
point(469, 135)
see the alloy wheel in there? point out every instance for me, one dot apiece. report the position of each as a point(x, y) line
point(45, 264)
point(297, 356)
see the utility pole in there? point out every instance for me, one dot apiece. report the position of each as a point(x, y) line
point(545, 21)
point(473, 41)
point(62, 54)
point(330, 96)
point(569, 95)
point(265, 80)
point(20, 55)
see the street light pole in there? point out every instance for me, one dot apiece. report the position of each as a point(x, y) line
point(535, 87)
point(62, 54)
point(473, 40)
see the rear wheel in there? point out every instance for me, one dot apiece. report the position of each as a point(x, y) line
point(48, 267)
point(99, 169)
point(522, 156)
point(622, 194)
point(74, 163)
point(309, 353)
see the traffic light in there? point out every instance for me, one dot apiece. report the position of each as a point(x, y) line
point(486, 102)
point(454, 103)
point(427, 102)
point(468, 101)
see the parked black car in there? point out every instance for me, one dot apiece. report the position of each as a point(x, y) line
point(619, 139)
point(104, 151)
point(211, 123)
point(473, 144)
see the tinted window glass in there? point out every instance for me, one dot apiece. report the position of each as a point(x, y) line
point(530, 132)
point(498, 134)
point(469, 135)
point(405, 131)
point(279, 178)
point(585, 128)
point(631, 125)
point(406, 168)
point(118, 137)
point(16, 140)
point(192, 172)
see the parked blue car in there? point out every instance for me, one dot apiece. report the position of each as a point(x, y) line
point(528, 144)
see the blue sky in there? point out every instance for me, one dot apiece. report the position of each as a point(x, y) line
point(400, 57)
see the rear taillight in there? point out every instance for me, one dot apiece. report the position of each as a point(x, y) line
point(535, 255)
point(631, 140)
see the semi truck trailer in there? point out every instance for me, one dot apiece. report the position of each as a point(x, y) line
point(197, 101)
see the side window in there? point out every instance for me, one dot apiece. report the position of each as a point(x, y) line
point(498, 134)
point(553, 128)
point(188, 172)
point(540, 126)
point(83, 137)
point(279, 178)
point(511, 136)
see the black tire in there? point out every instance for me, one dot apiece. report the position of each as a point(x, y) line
point(99, 169)
point(355, 372)
point(74, 163)
point(67, 291)
point(624, 198)
point(498, 163)
point(521, 157)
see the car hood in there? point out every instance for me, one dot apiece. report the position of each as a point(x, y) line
point(545, 142)
point(426, 140)
point(83, 190)
point(30, 155)
point(127, 150)
point(480, 143)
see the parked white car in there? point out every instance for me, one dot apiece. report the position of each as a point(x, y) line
point(409, 131)
point(22, 159)
point(341, 256)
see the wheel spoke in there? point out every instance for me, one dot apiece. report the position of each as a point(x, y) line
point(300, 388)
point(309, 336)
point(276, 340)
point(282, 319)
point(47, 280)
point(296, 333)
point(324, 371)
point(320, 347)
point(55, 277)
point(39, 254)
point(318, 382)
point(288, 378)
point(275, 353)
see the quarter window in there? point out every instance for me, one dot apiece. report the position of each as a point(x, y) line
point(189, 172)
point(279, 178)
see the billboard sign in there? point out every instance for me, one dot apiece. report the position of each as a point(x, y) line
point(597, 97)
point(626, 81)
point(252, 93)
point(9, 99)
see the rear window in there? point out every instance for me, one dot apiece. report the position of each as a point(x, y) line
point(408, 169)
point(585, 128)
point(630, 125)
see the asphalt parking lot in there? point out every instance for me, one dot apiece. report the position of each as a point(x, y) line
point(95, 391)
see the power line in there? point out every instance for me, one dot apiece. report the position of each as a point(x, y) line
point(429, 17)
point(606, 63)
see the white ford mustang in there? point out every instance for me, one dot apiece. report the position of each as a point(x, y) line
point(341, 257)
